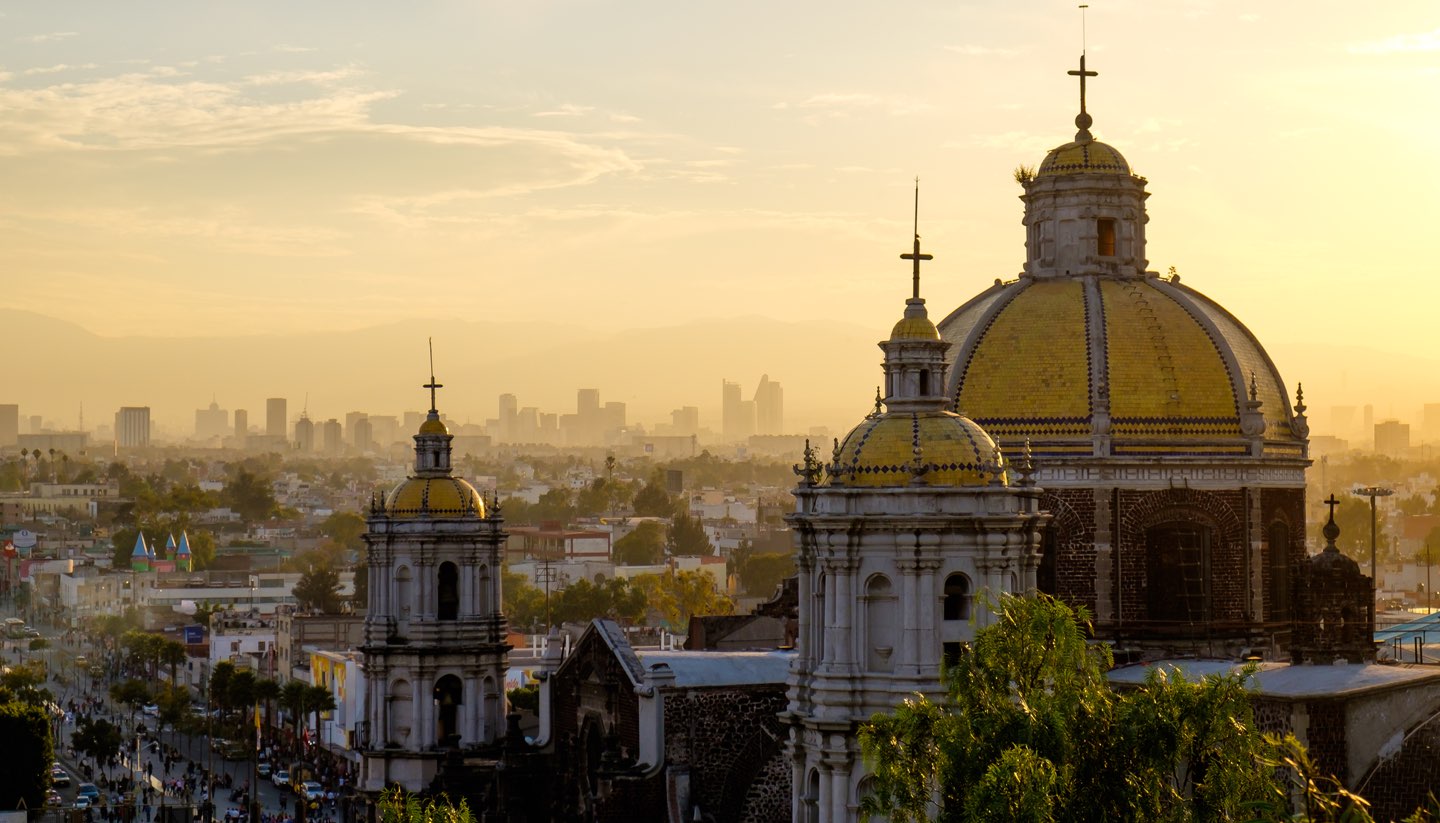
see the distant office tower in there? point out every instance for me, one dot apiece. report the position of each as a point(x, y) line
point(275, 425)
point(1368, 420)
point(333, 437)
point(305, 434)
point(587, 402)
point(1392, 438)
point(36, 426)
point(385, 430)
point(613, 417)
point(730, 425)
point(212, 422)
point(352, 420)
point(242, 425)
point(685, 421)
point(363, 435)
point(1430, 423)
point(509, 417)
point(9, 424)
point(769, 407)
point(132, 427)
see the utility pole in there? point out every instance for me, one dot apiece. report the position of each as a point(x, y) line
point(1373, 492)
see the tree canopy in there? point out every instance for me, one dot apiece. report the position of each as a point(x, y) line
point(686, 537)
point(645, 546)
point(319, 589)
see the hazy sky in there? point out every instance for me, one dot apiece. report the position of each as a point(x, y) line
point(191, 169)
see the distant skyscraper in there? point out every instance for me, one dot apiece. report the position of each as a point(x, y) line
point(363, 435)
point(352, 420)
point(509, 414)
point(1392, 438)
point(730, 425)
point(242, 426)
point(132, 427)
point(685, 421)
point(333, 436)
point(212, 422)
point(613, 417)
point(305, 434)
point(275, 424)
point(769, 407)
point(9, 424)
point(36, 426)
point(1430, 423)
point(413, 421)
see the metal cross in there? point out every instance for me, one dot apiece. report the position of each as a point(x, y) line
point(1082, 74)
point(1332, 503)
point(915, 256)
point(432, 385)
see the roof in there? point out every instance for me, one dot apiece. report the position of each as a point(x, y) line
point(702, 669)
point(435, 497)
point(1294, 681)
point(1088, 156)
point(887, 450)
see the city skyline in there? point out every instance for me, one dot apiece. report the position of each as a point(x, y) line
point(255, 171)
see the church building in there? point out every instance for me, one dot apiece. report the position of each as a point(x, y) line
point(434, 640)
point(1172, 460)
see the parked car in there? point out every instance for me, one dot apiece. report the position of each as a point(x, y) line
point(218, 743)
point(83, 802)
point(150, 710)
point(311, 791)
point(54, 799)
point(59, 777)
point(281, 778)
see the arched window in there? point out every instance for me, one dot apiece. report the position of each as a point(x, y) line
point(812, 797)
point(1177, 561)
point(957, 597)
point(880, 625)
point(1279, 571)
point(448, 591)
point(1105, 237)
point(448, 694)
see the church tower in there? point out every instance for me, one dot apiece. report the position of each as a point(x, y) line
point(434, 647)
point(916, 516)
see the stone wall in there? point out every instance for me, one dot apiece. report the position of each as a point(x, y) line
point(727, 737)
point(1403, 782)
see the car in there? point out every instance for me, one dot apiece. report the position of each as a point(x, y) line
point(150, 710)
point(82, 802)
point(54, 799)
point(263, 769)
point(32, 633)
point(281, 778)
point(89, 790)
point(310, 790)
point(218, 743)
point(59, 777)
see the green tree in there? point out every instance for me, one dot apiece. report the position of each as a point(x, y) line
point(293, 697)
point(29, 751)
point(97, 739)
point(319, 700)
point(398, 806)
point(319, 589)
point(267, 691)
point(760, 572)
point(361, 597)
point(250, 496)
point(131, 694)
point(686, 537)
point(645, 546)
point(523, 601)
point(1030, 729)
point(652, 500)
point(25, 683)
point(346, 529)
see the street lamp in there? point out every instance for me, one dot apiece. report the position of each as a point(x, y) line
point(1373, 492)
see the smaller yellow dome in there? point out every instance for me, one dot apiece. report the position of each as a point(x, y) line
point(1083, 157)
point(433, 425)
point(881, 451)
point(434, 497)
point(915, 328)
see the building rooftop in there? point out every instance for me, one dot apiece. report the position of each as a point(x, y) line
point(1291, 680)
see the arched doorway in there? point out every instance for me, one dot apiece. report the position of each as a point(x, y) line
point(449, 695)
point(1177, 562)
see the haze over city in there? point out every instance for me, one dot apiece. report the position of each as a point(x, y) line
point(263, 200)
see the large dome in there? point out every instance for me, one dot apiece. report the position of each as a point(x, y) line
point(434, 497)
point(886, 449)
point(1155, 367)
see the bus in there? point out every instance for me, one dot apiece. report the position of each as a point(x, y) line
point(14, 628)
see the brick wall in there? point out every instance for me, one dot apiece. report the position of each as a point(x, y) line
point(1401, 784)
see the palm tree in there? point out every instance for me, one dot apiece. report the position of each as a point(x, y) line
point(267, 691)
point(319, 699)
point(292, 698)
point(172, 654)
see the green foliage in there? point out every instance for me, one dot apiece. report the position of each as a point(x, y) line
point(1031, 730)
point(583, 601)
point(29, 751)
point(361, 584)
point(250, 496)
point(675, 596)
point(686, 537)
point(318, 589)
point(525, 698)
point(1353, 518)
point(97, 739)
point(645, 546)
point(397, 806)
point(157, 526)
point(25, 683)
point(130, 693)
point(346, 529)
point(523, 601)
point(653, 500)
point(760, 572)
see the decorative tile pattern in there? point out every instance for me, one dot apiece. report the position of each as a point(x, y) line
point(436, 497)
point(881, 451)
point(1086, 157)
point(1029, 371)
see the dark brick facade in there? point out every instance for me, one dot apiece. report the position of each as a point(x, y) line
point(1403, 783)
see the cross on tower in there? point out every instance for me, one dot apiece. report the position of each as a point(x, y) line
point(1332, 503)
point(432, 385)
point(915, 256)
point(1082, 74)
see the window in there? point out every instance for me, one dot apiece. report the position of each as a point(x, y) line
point(1178, 573)
point(880, 624)
point(924, 382)
point(448, 595)
point(1105, 237)
point(957, 597)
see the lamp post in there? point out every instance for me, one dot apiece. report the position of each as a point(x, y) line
point(1373, 492)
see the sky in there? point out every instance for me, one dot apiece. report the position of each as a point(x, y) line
point(183, 169)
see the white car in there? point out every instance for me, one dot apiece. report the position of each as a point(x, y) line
point(281, 778)
point(151, 710)
point(312, 791)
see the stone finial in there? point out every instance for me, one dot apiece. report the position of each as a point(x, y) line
point(1026, 466)
point(996, 467)
point(879, 404)
point(1252, 421)
point(809, 470)
point(1300, 424)
point(1254, 389)
point(1331, 530)
point(918, 468)
point(835, 470)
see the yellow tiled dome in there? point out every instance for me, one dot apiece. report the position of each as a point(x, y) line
point(433, 426)
point(1083, 157)
point(1153, 365)
point(882, 451)
point(914, 328)
point(434, 497)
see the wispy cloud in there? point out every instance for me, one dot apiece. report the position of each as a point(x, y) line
point(1400, 43)
point(59, 67)
point(842, 104)
point(974, 50)
point(49, 37)
point(565, 110)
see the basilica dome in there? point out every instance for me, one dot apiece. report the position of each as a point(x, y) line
point(887, 448)
point(1086, 156)
point(1152, 365)
point(434, 497)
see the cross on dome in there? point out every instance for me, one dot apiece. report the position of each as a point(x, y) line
point(915, 256)
point(1083, 120)
point(432, 385)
